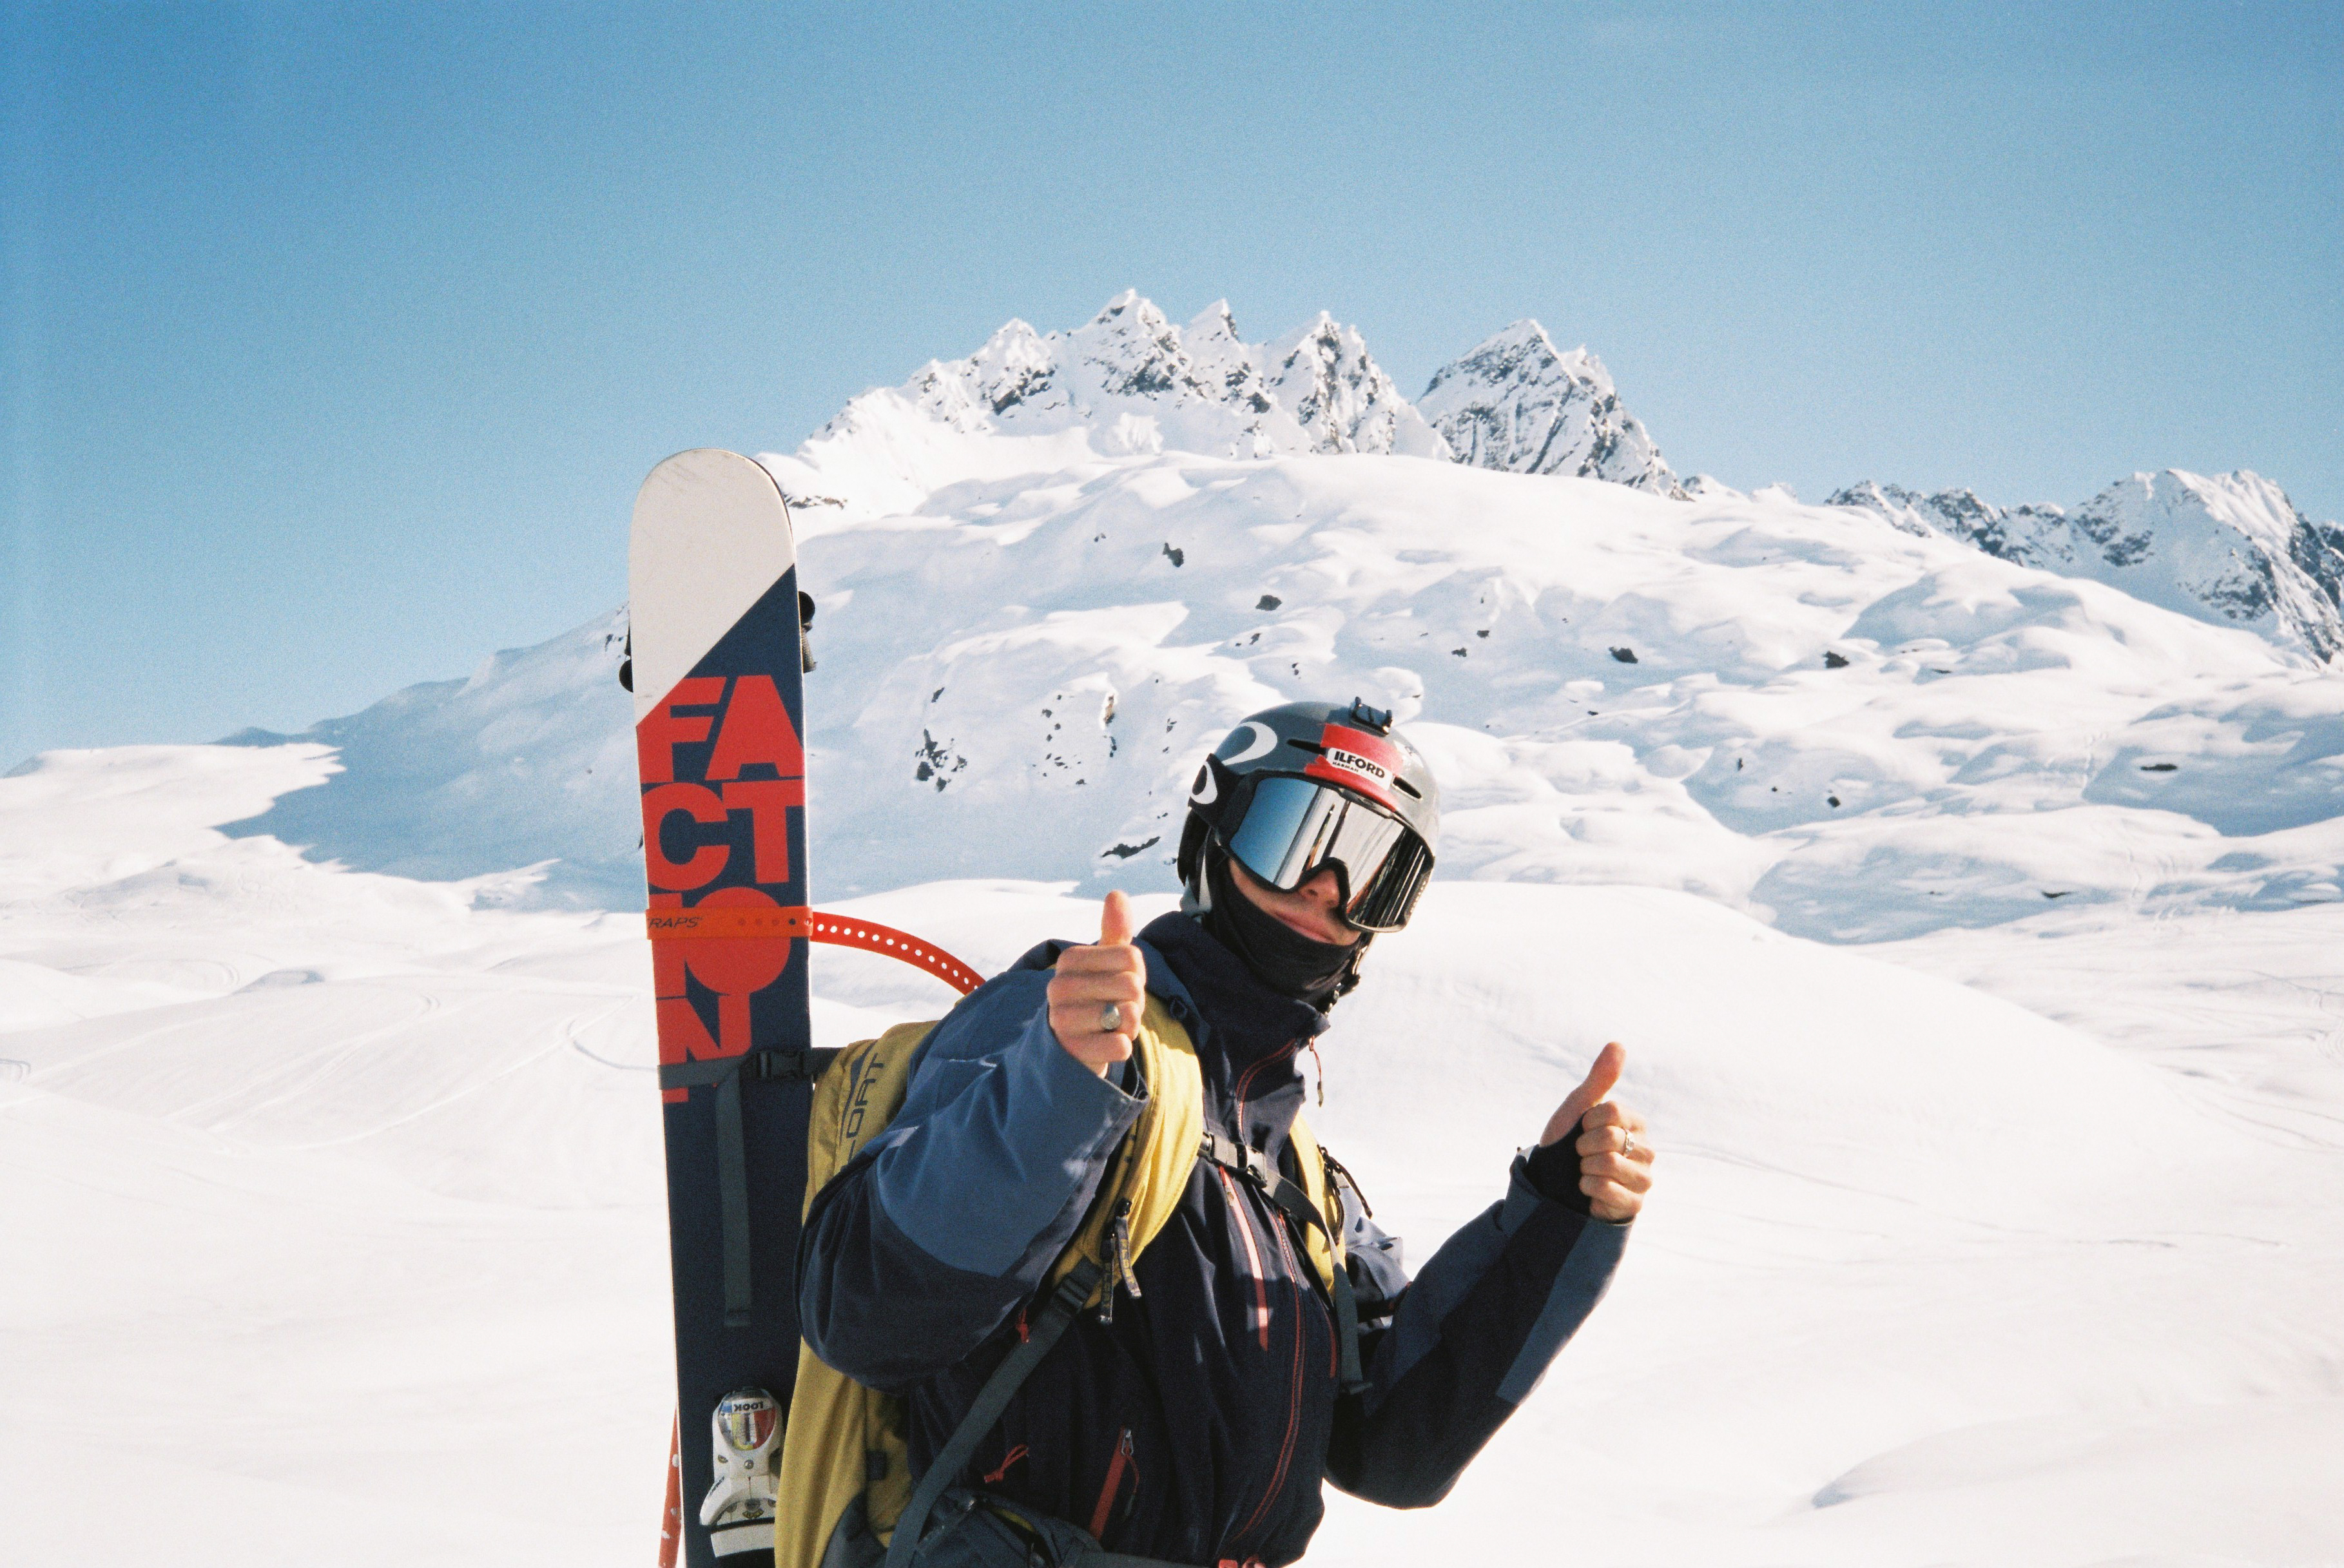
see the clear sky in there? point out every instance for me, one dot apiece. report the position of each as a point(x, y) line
point(334, 339)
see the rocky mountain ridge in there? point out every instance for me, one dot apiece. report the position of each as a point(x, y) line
point(1126, 383)
point(1514, 401)
point(1131, 385)
point(2230, 549)
point(1130, 382)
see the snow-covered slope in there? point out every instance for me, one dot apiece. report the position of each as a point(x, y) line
point(328, 1195)
point(528, 766)
point(1127, 381)
point(1515, 402)
point(2230, 549)
point(335, 1164)
point(1851, 731)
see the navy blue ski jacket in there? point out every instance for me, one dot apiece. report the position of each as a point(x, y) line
point(1195, 1425)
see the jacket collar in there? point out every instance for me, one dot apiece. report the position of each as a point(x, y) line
point(1234, 1019)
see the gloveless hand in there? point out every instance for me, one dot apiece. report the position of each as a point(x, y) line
point(1088, 981)
point(1615, 1163)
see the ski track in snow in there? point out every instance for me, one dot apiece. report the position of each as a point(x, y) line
point(1973, 928)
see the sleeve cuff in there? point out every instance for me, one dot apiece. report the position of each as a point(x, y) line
point(1553, 1169)
point(1065, 1081)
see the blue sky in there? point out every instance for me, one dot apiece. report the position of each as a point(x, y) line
point(335, 341)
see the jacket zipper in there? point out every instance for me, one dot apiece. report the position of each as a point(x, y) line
point(1261, 1297)
point(1115, 1468)
point(1293, 1393)
point(1253, 1257)
point(1244, 1080)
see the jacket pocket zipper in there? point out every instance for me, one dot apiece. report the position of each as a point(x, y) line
point(1115, 1468)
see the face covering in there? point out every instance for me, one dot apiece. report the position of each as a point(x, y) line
point(1281, 958)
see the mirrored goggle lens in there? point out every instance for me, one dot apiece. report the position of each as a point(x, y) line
point(1292, 827)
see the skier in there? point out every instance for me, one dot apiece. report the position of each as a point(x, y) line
point(1189, 1420)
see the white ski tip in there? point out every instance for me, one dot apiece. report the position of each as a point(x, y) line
point(710, 535)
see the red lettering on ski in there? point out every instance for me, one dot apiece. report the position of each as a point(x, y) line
point(660, 730)
point(756, 729)
point(701, 805)
point(733, 968)
point(768, 803)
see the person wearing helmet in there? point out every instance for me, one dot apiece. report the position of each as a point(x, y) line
point(1304, 797)
point(1194, 1422)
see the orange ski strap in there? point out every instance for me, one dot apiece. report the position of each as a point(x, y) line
point(771, 920)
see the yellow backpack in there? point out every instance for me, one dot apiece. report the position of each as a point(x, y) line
point(844, 1474)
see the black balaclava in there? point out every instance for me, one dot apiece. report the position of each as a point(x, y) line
point(1279, 957)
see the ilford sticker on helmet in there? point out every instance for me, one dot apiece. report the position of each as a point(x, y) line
point(1358, 761)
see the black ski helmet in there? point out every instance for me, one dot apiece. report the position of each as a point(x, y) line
point(1305, 785)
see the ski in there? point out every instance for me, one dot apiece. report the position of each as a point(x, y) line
point(716, 671)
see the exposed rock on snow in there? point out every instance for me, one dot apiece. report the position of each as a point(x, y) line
point(1516, 402)
point(1128, 381)
point(2230, 549)
point(1982, 746)
point(1071, 560)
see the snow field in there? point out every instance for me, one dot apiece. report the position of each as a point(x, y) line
point(2004, 1231)
point(1853, 732)
point(349, 1187)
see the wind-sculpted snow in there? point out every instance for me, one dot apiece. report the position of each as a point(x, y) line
point(529, 764)
point(2230, 549)
point(1853, 731)
point(1926, 1278)
point(1515, 402)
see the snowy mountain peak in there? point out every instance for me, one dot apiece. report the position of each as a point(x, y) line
point(1126, 381)
point(1515, 401)
point(1213, 323)
point(2230, 549)
point(1340, 397)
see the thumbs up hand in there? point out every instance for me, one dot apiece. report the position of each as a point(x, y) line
point(1089, 981)
point(1615, 1163)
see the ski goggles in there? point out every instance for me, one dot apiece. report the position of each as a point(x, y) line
point(1292, 828)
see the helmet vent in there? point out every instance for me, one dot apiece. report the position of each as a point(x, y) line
point(1313, 747)
point(1409, 787)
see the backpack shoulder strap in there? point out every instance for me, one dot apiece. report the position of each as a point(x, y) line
point(843, 1442)
point(1325, 1242)
point(1145, 1181)
point(1150, 1168)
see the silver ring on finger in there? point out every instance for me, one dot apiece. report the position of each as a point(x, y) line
point(1110, 1018)
point(1627, 1146)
